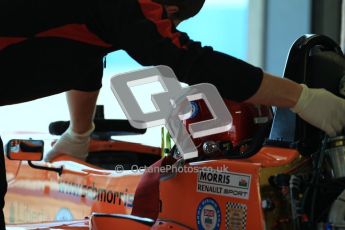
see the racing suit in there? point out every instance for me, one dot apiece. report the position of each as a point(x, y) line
point(48, 47)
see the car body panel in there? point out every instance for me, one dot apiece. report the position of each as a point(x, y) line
point(41, 196)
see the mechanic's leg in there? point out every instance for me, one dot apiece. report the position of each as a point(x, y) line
point(3, 185)
point(75, 141)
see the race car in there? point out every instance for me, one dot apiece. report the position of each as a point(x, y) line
point(269, 171)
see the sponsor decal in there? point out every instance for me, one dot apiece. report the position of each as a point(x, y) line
point(243, 183)
point(224, 183)
point(64, 214)
point(208, 215)
point(25, 213)
point(120, 198)
point(236, 216)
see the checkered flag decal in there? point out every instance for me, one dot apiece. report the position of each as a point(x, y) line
point(236, 216)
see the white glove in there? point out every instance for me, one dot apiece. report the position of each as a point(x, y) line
point(71, 143)
point(321, 109)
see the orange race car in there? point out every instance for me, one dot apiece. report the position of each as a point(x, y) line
point(266, 172)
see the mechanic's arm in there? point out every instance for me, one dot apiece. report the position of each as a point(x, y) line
point(276, 91)
point(153, 40)
point(317, 106)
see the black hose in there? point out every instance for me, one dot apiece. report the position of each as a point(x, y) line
point(316, 178)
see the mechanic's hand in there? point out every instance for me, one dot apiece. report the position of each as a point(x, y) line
point(321, 109)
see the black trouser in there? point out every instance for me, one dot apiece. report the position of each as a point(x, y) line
point(3, 185)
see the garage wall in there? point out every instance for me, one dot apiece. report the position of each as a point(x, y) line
point(275, 24)
point(326, 17)
point(286, 21)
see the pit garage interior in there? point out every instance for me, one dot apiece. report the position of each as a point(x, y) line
point(282, 177)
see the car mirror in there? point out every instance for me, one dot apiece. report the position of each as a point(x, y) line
point(27, 150)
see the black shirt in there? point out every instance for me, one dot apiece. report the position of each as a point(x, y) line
point(50, 46)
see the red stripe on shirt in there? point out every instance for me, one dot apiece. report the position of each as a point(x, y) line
point(153, 11)
point(7, 41)
point(77, 32)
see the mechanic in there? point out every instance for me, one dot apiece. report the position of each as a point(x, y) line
point(49, 47)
